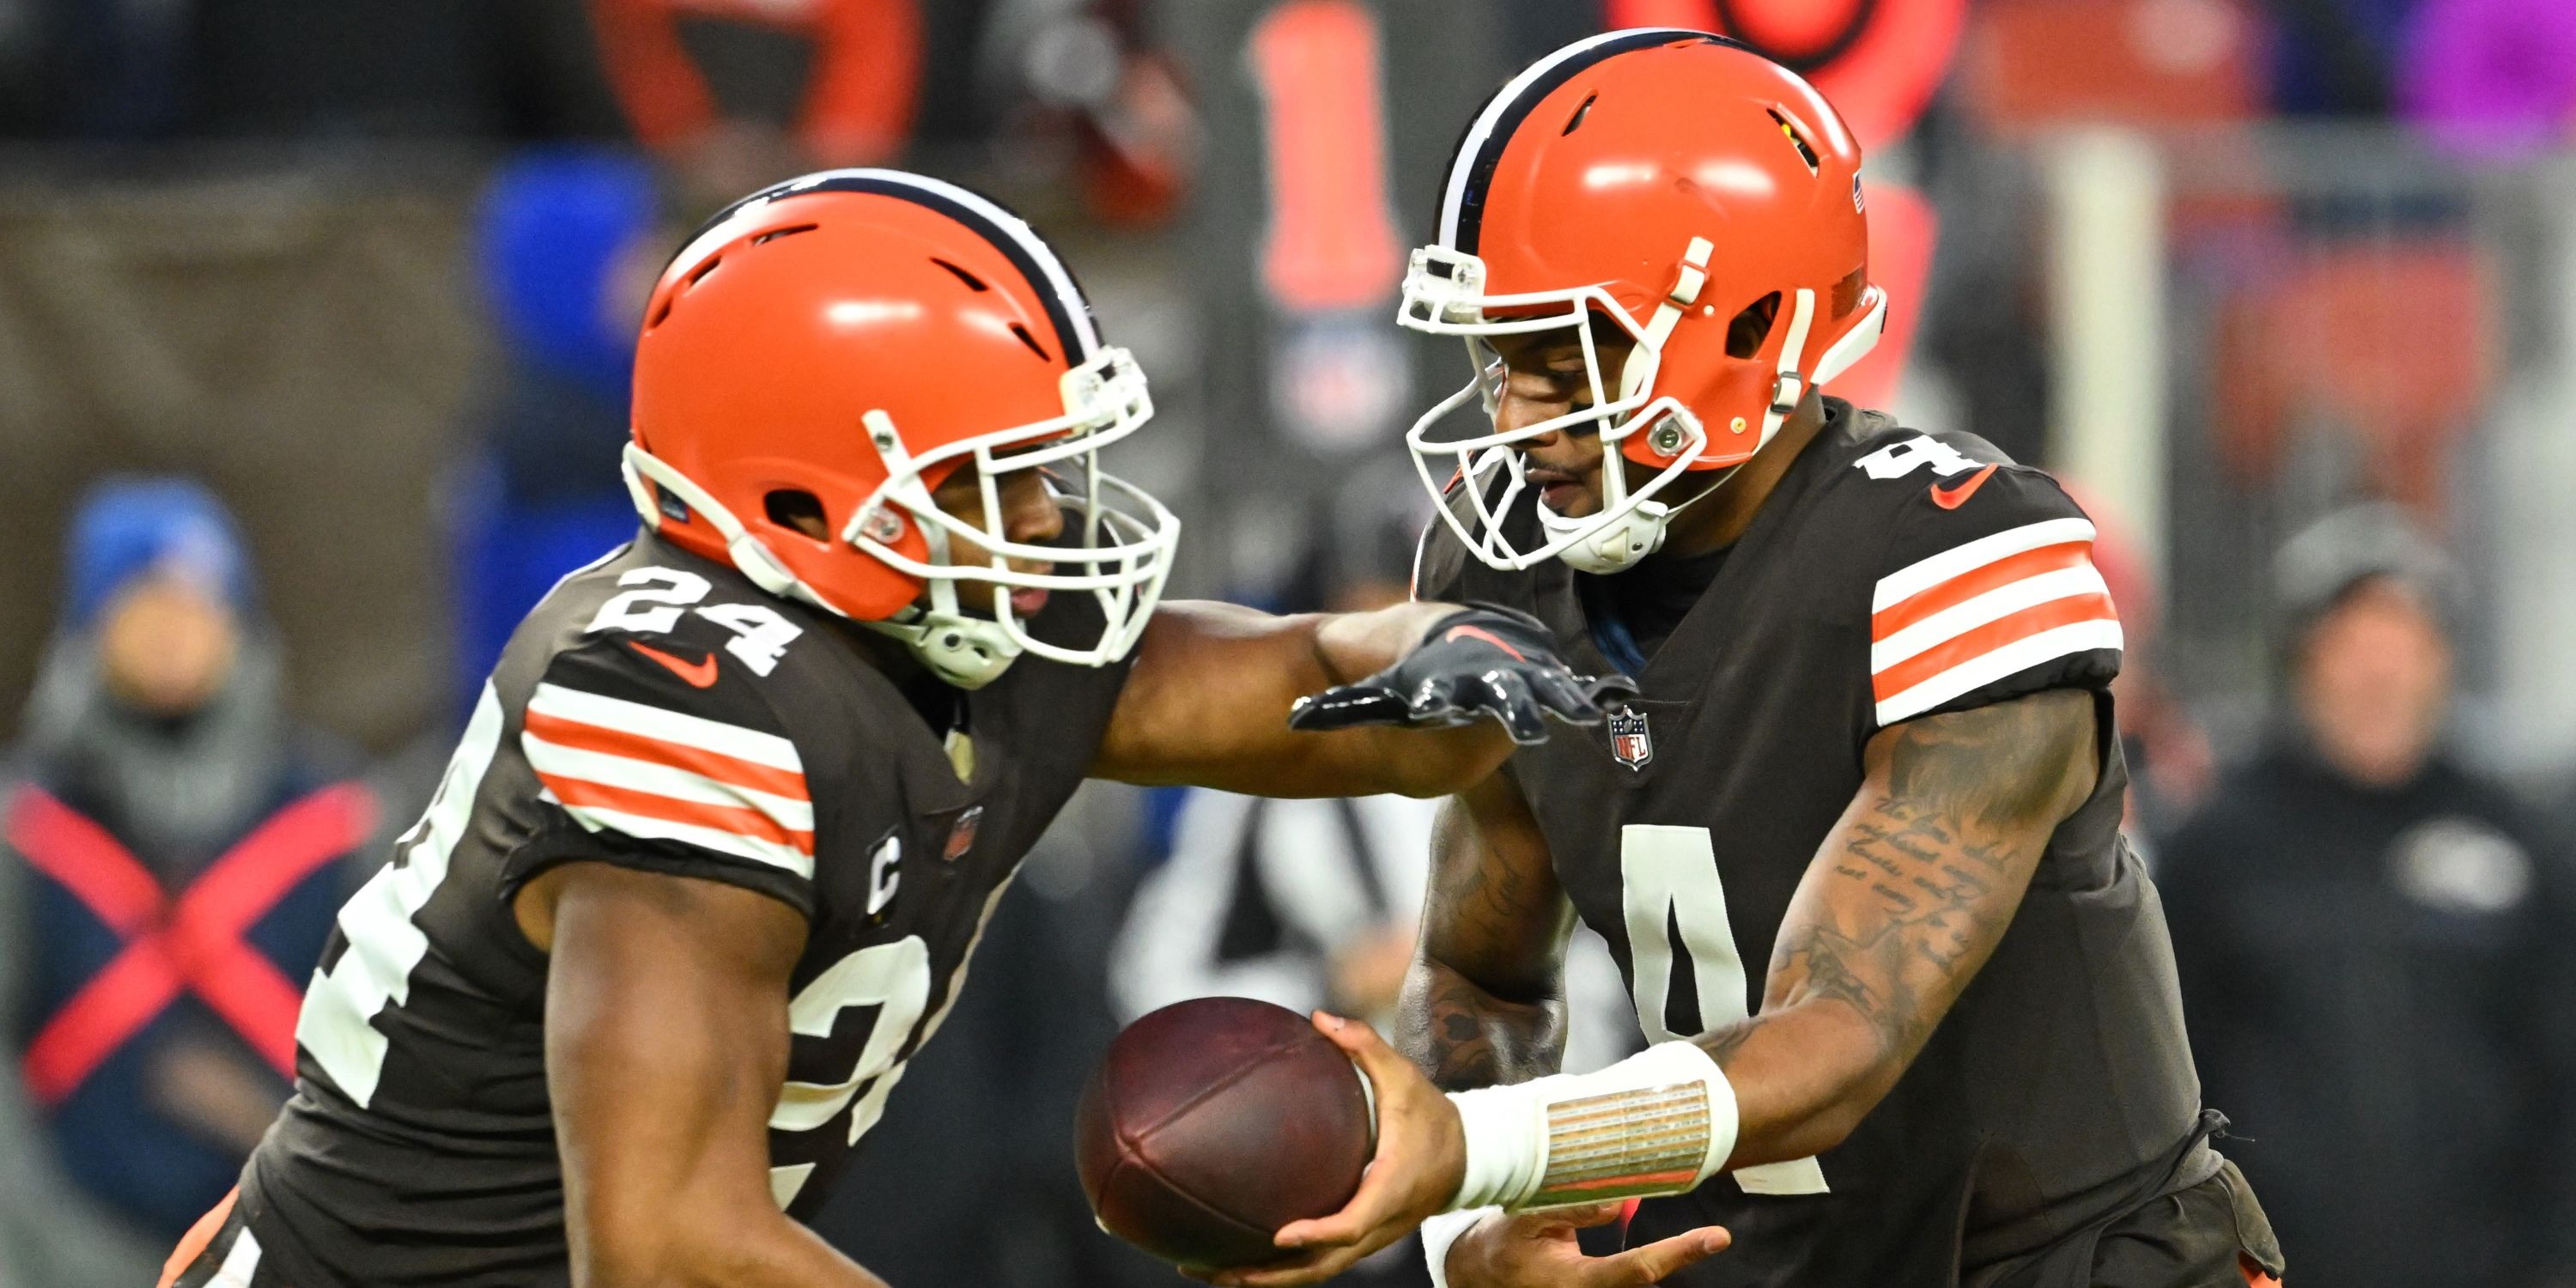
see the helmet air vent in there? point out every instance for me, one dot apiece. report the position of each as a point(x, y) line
point(1806, 153)
point(1745, 334)
point(662, 312)
point(776, 233)
point(795, 508)
point(1032, 341)
point(973, 283)
point(1575, 122)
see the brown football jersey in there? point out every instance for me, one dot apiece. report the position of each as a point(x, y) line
point(659, 712)
point(1892, 575)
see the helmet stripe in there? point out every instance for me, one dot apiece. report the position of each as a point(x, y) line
point(1462, 199)
point(1066, 306)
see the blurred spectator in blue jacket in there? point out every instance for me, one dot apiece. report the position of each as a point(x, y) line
point(171, 857)
point(2375, 951)
point(567, 241)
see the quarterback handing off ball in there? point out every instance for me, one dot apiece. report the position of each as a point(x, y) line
point(1211, 1123)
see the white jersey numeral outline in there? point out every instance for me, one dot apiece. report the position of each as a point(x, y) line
point(1903, 457)
point(1668, 878)
point(384, 944)
point(894, 977)
point(658, 596)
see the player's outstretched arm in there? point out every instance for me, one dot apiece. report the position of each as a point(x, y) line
point(1905, 900)
point(1399, 699)
point(666, 1046)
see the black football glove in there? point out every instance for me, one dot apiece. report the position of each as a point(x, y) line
point(1479, 661)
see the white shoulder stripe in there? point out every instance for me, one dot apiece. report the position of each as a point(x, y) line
point(1967, 615)
point(629, 774)
point(1922, 575)
point(646, 827)
point(668, 726)
point(1986, 668)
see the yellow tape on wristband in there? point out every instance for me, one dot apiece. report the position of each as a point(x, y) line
point(1623, 1144)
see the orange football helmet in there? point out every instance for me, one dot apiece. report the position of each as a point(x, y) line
point(1668, 181)
point(855, 336)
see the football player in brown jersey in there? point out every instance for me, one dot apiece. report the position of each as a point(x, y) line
point(709, 860)
point(1874, 748)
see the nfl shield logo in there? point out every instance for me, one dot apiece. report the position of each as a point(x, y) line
point(1630, 743)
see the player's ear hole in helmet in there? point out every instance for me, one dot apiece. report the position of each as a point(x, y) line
point(799, 509)
point(836, 351)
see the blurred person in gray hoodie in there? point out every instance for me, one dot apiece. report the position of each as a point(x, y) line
point(2376, 947)
point(172, 851)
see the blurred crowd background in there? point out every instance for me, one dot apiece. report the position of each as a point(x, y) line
point(315, 328)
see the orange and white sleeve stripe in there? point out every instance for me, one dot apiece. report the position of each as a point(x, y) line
point(1985, 610)
point(626, 767)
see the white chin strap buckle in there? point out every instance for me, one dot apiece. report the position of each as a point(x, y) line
point(966, 652)
point(962, 650)
point(1615, 546)
point(1786, 395)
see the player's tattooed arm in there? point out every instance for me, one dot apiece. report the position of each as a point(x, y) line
point(1484, 1002)
point(1904, 902)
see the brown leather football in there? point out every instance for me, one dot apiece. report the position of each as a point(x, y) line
point(1211, 1123)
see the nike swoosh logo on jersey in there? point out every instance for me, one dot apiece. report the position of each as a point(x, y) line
point(699, 674)
point(1951, 498)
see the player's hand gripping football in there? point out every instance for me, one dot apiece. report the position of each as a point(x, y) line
point(1421, 1156)
point(1483, 660)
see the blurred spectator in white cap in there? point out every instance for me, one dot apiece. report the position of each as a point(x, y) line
point(171, 857)
point(2376, 950)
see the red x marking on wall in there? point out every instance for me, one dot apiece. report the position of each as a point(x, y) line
point(192, 942)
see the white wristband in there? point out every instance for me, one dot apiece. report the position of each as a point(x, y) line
point(1441, 1232)
point(1659, 1122)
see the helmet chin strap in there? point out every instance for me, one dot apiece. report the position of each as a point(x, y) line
point(1612, 547)
point(751, 558)
point(1616, 546)
point(1789, 388)
point(963, 650)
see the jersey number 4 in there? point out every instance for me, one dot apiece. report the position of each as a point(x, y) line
point(1669, 889)
point(1903, 457)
